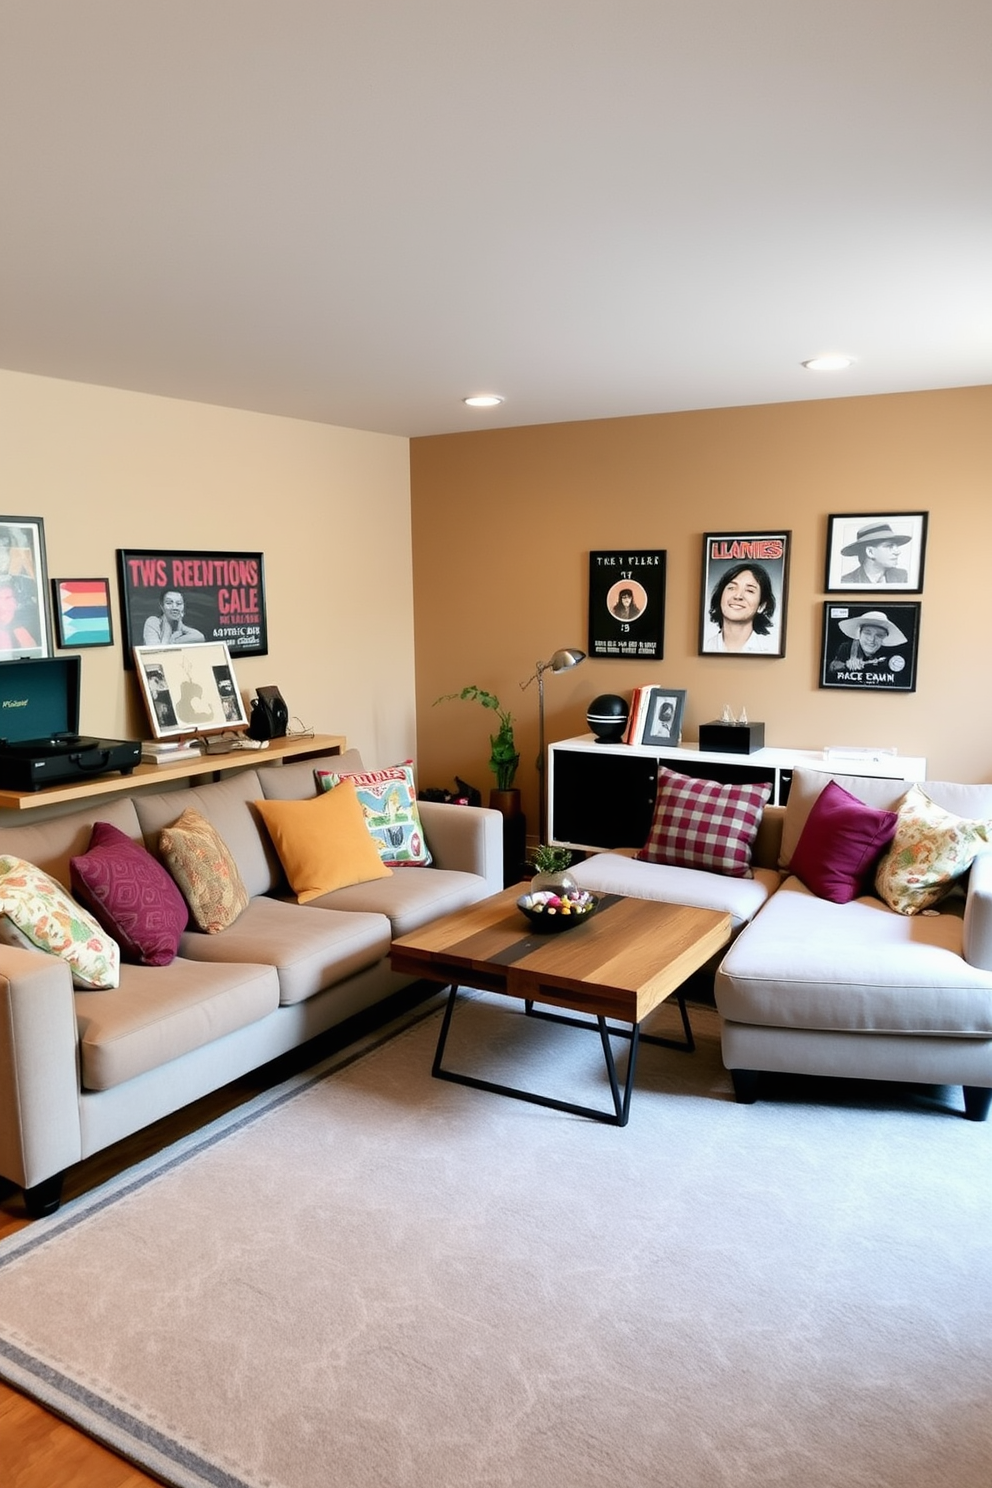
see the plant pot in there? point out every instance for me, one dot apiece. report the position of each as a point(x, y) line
point(507, 802)
point(560, 881)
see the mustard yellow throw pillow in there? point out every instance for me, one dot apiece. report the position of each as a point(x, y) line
point(931, 850)
point(201, 864)
point(323, 842)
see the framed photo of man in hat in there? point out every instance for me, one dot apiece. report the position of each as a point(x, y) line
point(881, 551)
point(870, 647)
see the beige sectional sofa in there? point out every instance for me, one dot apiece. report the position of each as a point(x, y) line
point(79, 1069)
point(810, 986)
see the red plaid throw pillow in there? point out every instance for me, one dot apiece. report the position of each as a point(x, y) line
point(702, 824)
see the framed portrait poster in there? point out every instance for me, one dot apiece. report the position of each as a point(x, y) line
point(744, 593)
point(82, 612)
point(25, 622)
point(189, 689)
point(881, 551)
point(189, 597)
point(663, 716)
point(627, 604)
point(870, 647)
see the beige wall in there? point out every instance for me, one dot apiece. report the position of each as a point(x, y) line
point(503, 523)
point(328, 507)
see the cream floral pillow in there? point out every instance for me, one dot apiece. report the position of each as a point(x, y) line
point(931, 850)
point(36, 911)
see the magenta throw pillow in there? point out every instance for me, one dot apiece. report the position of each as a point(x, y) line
point(840, 844)
point(703, 824)
point(131, 896)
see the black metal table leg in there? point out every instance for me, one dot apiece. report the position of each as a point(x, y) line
point(621, 1099)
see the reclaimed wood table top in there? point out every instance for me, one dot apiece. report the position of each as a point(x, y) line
point(621, 963)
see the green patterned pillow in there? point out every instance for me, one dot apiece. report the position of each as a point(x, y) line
point(931, 850)
point(36, 911)
point(388, 800)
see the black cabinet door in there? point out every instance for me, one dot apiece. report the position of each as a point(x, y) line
point(602, 800)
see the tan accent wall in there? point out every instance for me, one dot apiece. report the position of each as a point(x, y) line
point(503, 523)
point(328, 507)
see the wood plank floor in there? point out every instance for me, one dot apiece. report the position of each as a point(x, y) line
point(37, 1450)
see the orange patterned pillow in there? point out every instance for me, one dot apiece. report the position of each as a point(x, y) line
point(201, 864)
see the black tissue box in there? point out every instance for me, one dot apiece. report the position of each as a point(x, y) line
point(732, 738)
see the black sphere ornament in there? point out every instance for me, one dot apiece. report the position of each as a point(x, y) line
point(607, 718)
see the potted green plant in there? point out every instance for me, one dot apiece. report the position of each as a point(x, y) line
point(503, 757)
point(550, 866)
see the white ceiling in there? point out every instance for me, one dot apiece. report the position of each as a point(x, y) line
point(359, 211)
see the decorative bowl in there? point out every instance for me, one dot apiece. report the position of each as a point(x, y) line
point(550, 913)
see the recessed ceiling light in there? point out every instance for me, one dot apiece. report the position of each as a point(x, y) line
point(483, 400)
point(832, 361)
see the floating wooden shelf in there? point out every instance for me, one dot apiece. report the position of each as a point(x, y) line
point(146, 776)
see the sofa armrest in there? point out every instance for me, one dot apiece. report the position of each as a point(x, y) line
point(468, 838)
point(977, 945)
point(39, 1080)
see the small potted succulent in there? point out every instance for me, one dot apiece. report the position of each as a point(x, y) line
point(550, 864)
point(503, 757)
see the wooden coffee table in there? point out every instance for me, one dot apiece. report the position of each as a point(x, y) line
point(620, 965)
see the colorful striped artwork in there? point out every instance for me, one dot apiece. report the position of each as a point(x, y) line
point(82, 612)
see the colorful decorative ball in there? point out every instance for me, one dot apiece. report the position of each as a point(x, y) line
point(607, 717)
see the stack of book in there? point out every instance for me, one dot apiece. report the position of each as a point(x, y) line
point(639, 700)
point(169, 751)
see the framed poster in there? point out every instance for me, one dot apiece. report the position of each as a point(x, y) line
point(189, 689)
point(663, 716)
point(627, 604)
point(884, 551)
point(188, 597)
point(744, 593)
point(82, 612)
point(870, 647)
point(25, 622)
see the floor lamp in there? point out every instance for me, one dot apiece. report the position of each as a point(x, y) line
point(561, 661)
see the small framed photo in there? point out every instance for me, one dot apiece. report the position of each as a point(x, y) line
point(82, 612)
point(663, 716)
point(25, 620)
point(881, 551)
point(870, 647)
point(189, 689)
point(744, 593)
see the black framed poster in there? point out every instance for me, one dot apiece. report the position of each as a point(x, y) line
point(744, 593)
point(186, 598)
point(627, 604)
point(870, 647)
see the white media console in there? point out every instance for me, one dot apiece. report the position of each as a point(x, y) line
point(602, 795)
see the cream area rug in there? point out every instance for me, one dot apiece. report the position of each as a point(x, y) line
point(373, 1279)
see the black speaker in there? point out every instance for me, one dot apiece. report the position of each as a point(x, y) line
point(269, 715)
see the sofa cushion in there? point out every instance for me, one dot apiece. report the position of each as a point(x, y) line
point(201, 864)
point(229, 806)
point(323, 842)
point(411, 898)
point(160, 1013)
point(840, 844)
point(703, 824)
point(309, 950)
point(805, 962)
point(36, 913)
point(619, 873)
point(131, 895)
point(973, 801)
point(932, 849)
point(389, 801)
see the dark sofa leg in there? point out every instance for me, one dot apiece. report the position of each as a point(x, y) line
point(977, 1102)
point(745, 1086)
point(45, 1197)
